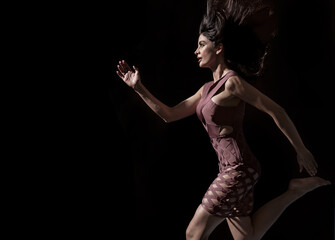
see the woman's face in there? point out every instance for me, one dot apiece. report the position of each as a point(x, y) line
point(206, 53)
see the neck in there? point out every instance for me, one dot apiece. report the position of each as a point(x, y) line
point(220, 70)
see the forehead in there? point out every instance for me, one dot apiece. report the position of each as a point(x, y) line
point(202, 38)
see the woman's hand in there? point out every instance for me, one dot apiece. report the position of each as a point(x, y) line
point(306, 161)
point(130, 77)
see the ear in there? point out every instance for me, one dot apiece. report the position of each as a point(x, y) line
point(219, 48)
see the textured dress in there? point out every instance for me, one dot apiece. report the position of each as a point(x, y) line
point(231, 193)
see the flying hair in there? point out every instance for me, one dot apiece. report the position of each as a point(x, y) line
point(225, 22)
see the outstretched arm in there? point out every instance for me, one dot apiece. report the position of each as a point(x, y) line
point(243, 90)
point(168, 114)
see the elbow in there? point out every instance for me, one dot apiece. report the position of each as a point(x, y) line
point(274, 110)
point(166, 116)
point(279, 114)
point(279, 111)
point(168, 119)
point(170, 115)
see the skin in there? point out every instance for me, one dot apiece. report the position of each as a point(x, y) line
point(235, 90)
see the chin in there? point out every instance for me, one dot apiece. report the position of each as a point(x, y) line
point(202, 65)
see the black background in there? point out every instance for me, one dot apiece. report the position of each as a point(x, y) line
point(128, 175)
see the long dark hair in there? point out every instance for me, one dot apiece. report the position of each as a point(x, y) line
point(224, 22)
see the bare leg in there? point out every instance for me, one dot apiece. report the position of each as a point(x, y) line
point(202, 224)
point(256, 226)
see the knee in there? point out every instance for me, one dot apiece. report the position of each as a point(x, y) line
point(190, 233)
point(193, 233)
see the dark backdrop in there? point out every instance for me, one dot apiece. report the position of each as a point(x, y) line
point(134, 175)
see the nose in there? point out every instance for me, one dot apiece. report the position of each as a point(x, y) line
point(196, 52)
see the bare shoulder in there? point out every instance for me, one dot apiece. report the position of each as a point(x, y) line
point(200, 91)
point(234, 83)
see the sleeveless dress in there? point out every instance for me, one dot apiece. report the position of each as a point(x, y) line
point(231, 193)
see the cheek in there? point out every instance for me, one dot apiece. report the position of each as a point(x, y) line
point(207, 55)
point(207, 52)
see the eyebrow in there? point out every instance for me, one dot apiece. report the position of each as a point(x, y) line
point(201, 42)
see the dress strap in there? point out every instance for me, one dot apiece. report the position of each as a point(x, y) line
point(220, 84)
point(209, 93)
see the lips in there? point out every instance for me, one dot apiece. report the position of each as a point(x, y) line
point(199, 59)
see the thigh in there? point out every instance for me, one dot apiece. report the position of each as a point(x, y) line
point(240, 227)
point(203, 223)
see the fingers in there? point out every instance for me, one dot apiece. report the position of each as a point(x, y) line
point(123, 68)
point(120, 74)
point(135, 68)
point(307, 161)
point(125, 64)
point(121, 71)
point(312, 172)
point(308, 169)
point(311, 168)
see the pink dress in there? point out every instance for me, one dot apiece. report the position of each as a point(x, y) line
point(231, 193)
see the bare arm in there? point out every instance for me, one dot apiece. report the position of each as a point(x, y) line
point(168, 114)
point(243, 90)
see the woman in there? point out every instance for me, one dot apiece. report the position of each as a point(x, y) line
point(220, 105)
